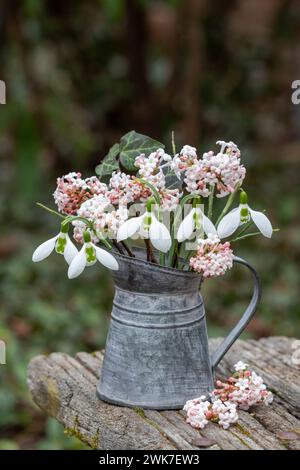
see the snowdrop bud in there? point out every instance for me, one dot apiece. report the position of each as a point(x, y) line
point(243, 197)
point(150, 203)
point(64, 228)
point(86, 236)
point(61, 241)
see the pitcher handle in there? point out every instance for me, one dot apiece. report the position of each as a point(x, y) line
point(248, 314)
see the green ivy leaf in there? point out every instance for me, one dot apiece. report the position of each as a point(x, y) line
point(132, 145)
point(109, 163)
point(172, 182)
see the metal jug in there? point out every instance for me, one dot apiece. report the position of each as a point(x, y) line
point(156, 353)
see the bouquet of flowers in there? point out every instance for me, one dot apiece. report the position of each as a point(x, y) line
point(166, 200)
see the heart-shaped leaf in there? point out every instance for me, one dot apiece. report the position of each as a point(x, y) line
point(109, 163)
point(172, 182)
point(132, 145)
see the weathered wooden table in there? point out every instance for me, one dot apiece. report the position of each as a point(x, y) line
point(64, 387)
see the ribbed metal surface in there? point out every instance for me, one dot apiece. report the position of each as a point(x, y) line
point(157, 350)
point(156, 353)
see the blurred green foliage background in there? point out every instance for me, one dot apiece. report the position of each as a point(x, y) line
point(80, 74)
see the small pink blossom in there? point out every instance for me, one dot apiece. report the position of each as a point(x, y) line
point(150, 167)
point(200, 411)
point(241, 390)
point(222, 171)
point(213, 258)
point(72, 191)
point(184, 160)
point(169, 199)
point(246, 388)
point(105, 218)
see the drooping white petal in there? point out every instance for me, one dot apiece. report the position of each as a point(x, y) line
point(229, 223)
point(105, 258)
point(70, 250)
point(208, 226)
point(186, 227)
point(44, 250)
point(78, 264)
point(159, 235)
point(129, 228)
point(262, 223)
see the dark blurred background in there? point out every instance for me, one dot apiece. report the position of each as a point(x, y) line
point(80, 74)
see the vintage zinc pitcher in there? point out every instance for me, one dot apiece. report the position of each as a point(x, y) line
point(157, 348)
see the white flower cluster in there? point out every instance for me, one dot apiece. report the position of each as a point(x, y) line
point(106, 219)
point(200, 411)
point(150, 167)
point(184, 160)
point(243, 390)
point(213, 258)
point(222, 171)
point(120, 188)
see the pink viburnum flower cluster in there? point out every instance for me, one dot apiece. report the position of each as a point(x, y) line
point(150, 168)
point(72, 190)
point(221, 172)
point(243, 390)
point(184, 160)
point(213, 258)
point(200, 411)
point(106, 218)
point(125, 189)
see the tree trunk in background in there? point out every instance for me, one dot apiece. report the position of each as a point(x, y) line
point(191, 120)
point(143, 110)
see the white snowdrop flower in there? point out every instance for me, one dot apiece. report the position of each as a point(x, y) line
point(88, 255)
point(61, 243)
point(242, 214)
point(195, 220)
point(147, 226)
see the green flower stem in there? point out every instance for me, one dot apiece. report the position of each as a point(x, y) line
point(187, 257)
point(50, 210)
point(105, 242)
point(244, 228)
point(174, 263)
point(77, 217)
point(252, 234)
point(211, 202)
point(227, 206)
point(173, 144)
